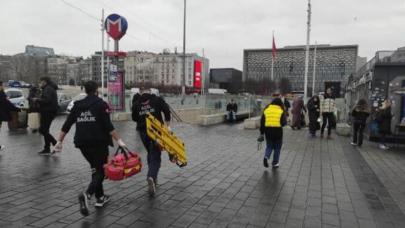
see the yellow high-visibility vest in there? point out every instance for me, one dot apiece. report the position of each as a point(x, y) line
point(272, 116)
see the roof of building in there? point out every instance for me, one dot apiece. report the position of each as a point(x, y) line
point(301, 47)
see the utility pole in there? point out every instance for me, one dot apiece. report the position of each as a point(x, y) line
point(102, 52)
point(108, 66)
point(183, 80)
point(203, 69)
point(314, 73)
point(307, 53)
point(272, 60)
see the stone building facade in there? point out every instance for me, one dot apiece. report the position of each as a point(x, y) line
point(333, 64)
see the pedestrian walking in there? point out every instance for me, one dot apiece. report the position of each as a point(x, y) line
point(383, 118)
point(297, 112)
point(232, 109)
point(360, 113)
point(6, 107)
point(33, 105)
point(154, 105)
point(287, 105)
point(48, 107)
point(271, 128)
point(314, 111)
point(328, 108)
point(94, 133)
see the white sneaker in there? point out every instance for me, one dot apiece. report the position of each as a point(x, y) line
point(151, 187)
point(353, 144)
point(2, 147)
point(383, 147)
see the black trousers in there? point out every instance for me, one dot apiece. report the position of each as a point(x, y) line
point(154, 155)
point(96, 156)
point(45, 122)
point(327, 118)
point(358, 129)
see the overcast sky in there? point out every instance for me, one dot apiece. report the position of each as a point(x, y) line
point(222, 27)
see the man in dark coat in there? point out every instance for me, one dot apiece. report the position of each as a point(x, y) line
point(232, 109)
point(313, 107)
point(5, 108)
point(48, 107)
point(149, 103)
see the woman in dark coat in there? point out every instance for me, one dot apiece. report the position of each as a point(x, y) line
point(297, 109)
point(5, 108)
point(384, 117)
point(313, 107)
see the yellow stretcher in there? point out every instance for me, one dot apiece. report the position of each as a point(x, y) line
point(169, 142)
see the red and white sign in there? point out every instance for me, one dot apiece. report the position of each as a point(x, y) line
point(116, 26)
point(197, 74)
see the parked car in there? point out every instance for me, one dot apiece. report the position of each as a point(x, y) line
point(16, 96)
point(63, 102)
point(76, 98)
point(14, 84)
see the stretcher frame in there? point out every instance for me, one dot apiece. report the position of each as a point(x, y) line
point(167, 140)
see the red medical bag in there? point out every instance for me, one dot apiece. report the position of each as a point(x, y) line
point(124, 164)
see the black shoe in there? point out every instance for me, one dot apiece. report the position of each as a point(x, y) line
point(276, 165)
point(265, 163)
point(45, 152)
point(151, 187)
point(172, 158)
point(102, 200)
point(84, 204)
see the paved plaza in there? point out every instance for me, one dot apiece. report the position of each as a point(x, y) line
point(321, 183)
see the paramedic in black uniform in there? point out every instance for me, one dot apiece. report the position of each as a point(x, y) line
point(94, 133)
point(150, 103)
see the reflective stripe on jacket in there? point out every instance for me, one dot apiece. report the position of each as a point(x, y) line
point(273, 115)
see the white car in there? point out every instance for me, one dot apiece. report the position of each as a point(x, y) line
point(16, 97)
point(76, 98)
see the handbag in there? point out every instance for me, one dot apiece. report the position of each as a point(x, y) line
point(33, 120)
point(124, 164)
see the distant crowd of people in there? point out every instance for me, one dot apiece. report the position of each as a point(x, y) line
point(322, 116)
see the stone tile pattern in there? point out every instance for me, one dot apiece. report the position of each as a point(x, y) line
point(321, 183)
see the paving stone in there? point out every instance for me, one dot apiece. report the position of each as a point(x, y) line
point(321, 183)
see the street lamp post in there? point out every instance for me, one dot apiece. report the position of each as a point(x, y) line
point(307, 52)
point(183, 81)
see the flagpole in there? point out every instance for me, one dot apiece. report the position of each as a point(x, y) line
point(102, 52)
point(307, 53)
point(272, 59)
point(314, 73)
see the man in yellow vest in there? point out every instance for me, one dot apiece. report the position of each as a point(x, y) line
point(273, 119)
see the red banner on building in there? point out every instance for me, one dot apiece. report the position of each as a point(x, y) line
point(197, 75)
